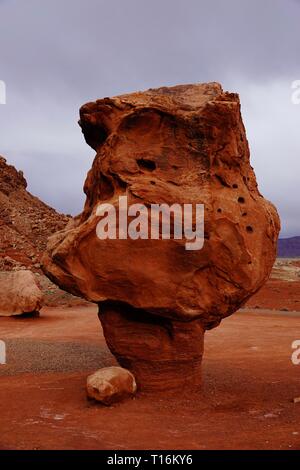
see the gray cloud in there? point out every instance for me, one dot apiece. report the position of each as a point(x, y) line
point(58, 54)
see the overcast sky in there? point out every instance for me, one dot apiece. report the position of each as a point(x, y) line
point(55, 55)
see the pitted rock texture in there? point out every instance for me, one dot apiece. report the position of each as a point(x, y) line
point(184, 144)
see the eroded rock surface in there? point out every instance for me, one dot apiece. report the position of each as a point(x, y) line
point(184, 144)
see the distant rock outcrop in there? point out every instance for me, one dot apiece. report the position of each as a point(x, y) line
point(289, 247)
point(25, 221)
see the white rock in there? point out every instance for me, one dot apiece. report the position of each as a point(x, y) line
point(19, 293)
point(110, 385)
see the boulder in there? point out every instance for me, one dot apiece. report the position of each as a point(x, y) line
point(110, 385)
point(19, 294)
point(180, 145)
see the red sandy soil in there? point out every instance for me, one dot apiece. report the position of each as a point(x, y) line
point(249, 383)
point(278, 295)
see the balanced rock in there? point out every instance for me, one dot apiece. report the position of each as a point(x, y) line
point(19, 294)
point(179, 145)
point(110, 385)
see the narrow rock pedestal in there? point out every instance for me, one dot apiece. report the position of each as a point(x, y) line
point(164, 355)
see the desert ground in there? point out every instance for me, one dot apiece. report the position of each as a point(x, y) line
point(246, 402)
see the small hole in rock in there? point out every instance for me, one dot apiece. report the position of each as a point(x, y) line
point(152, 182)
point(95, 135)
point(249, 229)
point(146, 164)
point(235, 186)
point(219, 210)
point(244, 214)
point(241, 200)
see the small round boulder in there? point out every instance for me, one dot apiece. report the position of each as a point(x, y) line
point(110, 385)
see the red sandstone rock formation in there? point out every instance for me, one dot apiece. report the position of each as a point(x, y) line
point(184, 144)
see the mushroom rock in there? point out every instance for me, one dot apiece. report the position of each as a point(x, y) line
point(185, 145)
